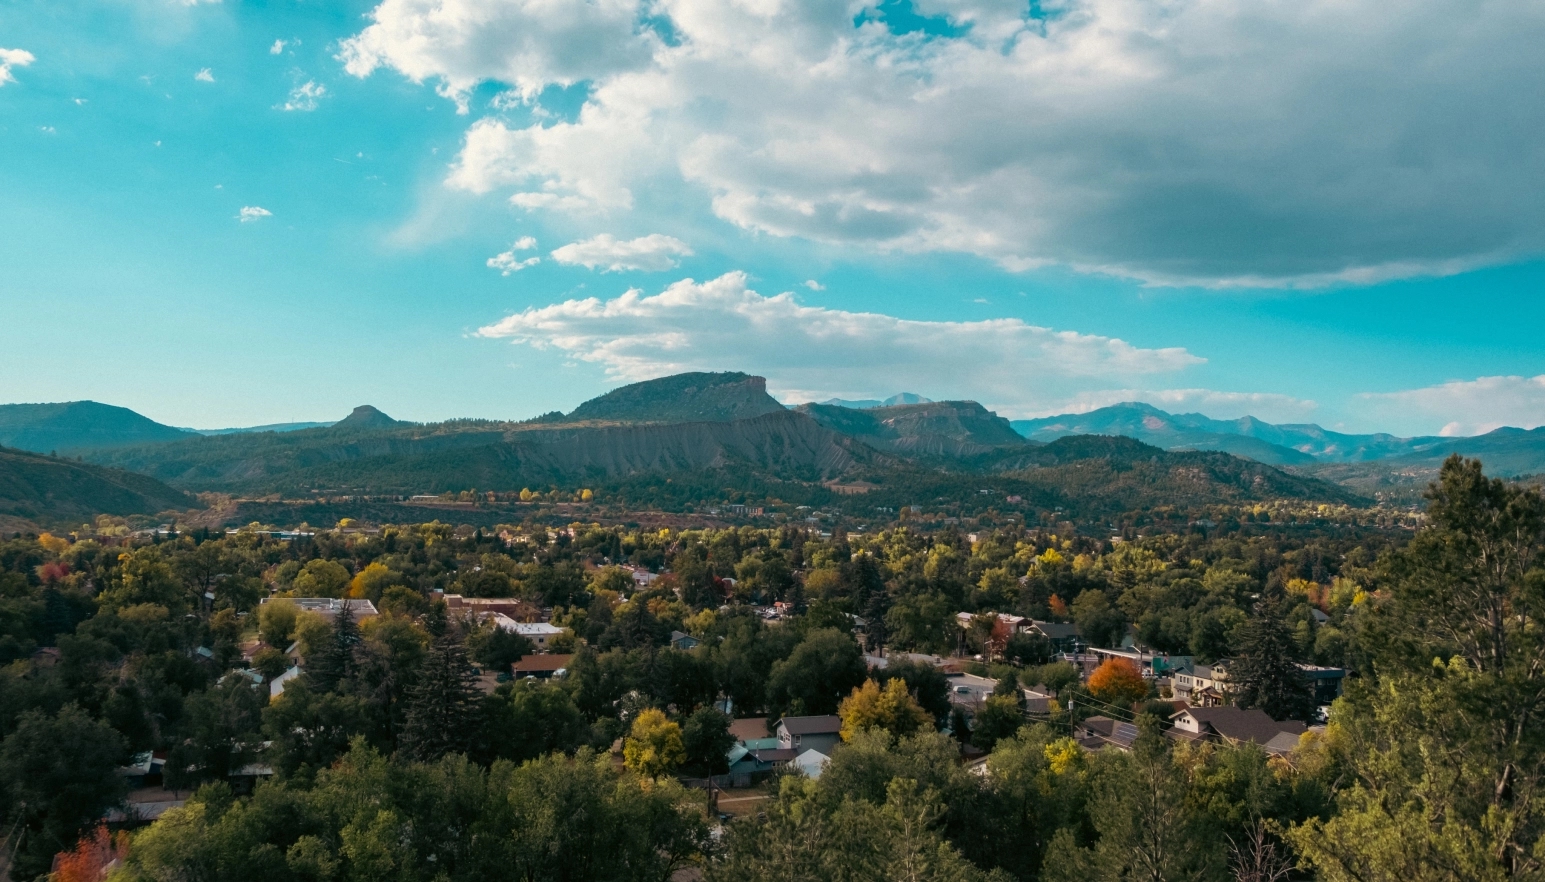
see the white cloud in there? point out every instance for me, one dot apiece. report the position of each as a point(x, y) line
point(812, 353)
point(277, 48)
point(304, 97)
point(506, 262)
point(652, 253)
point(1272, 143)
point(47, 130)
point(1467, 407)
point(525, 43)
point(253, 212)
point(204, 76)
point(10, 58)
point(813, 285)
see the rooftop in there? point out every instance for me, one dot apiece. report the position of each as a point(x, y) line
point(823, 725)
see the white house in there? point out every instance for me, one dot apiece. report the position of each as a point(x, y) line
point(539, 633)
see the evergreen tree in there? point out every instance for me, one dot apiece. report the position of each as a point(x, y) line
point(1264, 673)
point(443, 706)
point(336, 663)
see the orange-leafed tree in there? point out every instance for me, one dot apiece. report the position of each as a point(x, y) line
point(91, 857)
point(1118, 681)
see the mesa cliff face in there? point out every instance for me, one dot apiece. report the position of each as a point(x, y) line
point(936, 428)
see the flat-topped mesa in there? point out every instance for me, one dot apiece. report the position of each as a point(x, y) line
point(682, 398)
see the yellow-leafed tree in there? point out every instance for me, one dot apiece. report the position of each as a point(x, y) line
point(892, 709)
point(653, 746)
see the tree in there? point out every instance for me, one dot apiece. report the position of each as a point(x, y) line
point(826, 665)
point(60, 775)
point(321, 578)
point(1118, 681)
point(496, 648)
point(1099, 622)
point(91, 857)
point(654, 745)
point(443, 706)
point(927, 683)
point(1055, 676)
point(529, 719)
point(891, 709)
point(276, 623)
point(707, 740)
point(333, 662)
point(1264, 675)
point(922, 622)
point(999, 718)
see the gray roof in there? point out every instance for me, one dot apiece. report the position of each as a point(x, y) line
point(1057, 630)
point(825, 725)
point(1244, 725)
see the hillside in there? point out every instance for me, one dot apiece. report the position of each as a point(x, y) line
point(457, 455)
point(46, 489)
point(682, 398)
point(78, 425)
point(937, 429)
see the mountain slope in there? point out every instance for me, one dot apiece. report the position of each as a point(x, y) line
point(682, 398)
point(78, 425)
point(46, 489)
point(936, 428)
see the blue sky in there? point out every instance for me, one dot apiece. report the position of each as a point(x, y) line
point(960, 198)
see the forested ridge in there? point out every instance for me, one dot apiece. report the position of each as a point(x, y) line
point(392, 759)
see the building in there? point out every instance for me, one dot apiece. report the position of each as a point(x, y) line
point(541, 667)
point(684, 641)
point(1099, 733)
point(811, 763)
point(1326, 682)
point(800, 734)
point(1233, 725)
point(359, 609)
point(539, 633)
point(1064, 636)
point(1201, 685)
point(513, 608)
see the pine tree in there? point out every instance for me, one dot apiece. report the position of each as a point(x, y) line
point(443, 707)
point(1264, 673)
point(336, 662)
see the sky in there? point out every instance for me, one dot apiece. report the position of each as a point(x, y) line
point(240, 213)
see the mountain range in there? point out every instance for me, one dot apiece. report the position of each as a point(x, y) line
point(700, 435)
point(1506, 451)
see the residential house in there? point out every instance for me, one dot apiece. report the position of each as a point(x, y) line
point(539, 633)
point(277, 684)
point(683, 641)
point(1234, 725)
point(542, 666)
point(811, 763)
point(1099, 733)
point(1326, 682)
point(805, 733)
point(359, 609)
point(1201, 685)
point(1064, 636)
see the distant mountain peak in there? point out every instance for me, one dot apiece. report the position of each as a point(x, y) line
point(871, 403)
point(78, 425)
point(366, 417)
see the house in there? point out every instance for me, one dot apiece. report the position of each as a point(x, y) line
point(1326, 682)
point(539, 633)
point(541, 667)
point(359, 610)
point(276, 685)
point(805, 733)
point(1064, 636)
point(1201, 685)
point(1234, 725)
point(1099, 733)
point(516, 609)
point(811, 764)
point(748, 729)
point(684, 641)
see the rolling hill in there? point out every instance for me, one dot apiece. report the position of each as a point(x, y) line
point(45, 489)
point(78, 425)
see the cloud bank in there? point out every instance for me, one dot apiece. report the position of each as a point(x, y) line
point(1271, 143)
point(1468, 407)
point(812, 353)
point(652, 253)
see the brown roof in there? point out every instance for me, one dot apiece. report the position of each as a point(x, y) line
point(825, 725)
point(775, 754)
point(749, 728)
point(542, 662)
point(1243, 725)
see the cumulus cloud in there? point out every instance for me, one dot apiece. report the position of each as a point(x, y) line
point(1468, 407)
point(10, 58)
point(278, 47)
point(652, 253)
point(813, 285)
point(527, 44)
point(204, 75)
point(812, 353)
point(304, 97)
point(1273, 143)
point(506, 262)
point(251, 213)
